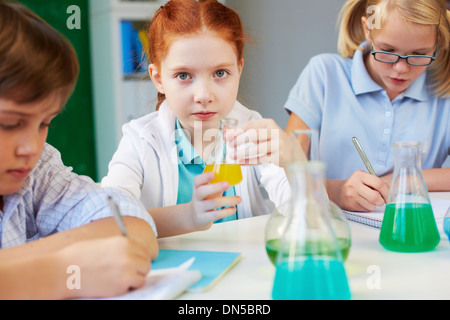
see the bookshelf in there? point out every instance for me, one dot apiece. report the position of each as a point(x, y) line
point(118, 96)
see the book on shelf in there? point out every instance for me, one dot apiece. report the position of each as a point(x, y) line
point(134, 48)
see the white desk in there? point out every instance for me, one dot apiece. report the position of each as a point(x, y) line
point(401, 275)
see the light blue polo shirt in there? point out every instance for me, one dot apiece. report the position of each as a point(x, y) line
point(339, 98)
point(190, 165)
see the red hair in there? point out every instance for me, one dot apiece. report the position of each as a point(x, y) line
point(179, 18)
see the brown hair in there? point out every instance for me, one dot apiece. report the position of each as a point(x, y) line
point(427, 12)
point(36, 61)
point(184, 17)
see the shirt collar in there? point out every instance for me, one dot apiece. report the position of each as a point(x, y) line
point(418, 89)
point(363, 83)
point(185, 150)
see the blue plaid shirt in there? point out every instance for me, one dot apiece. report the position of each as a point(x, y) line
point(54, 199)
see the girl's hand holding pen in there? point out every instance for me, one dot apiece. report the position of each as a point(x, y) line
point(361, 192)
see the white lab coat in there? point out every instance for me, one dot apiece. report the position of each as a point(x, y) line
point(146, 165)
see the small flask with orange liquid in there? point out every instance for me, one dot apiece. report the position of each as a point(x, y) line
point(219, 162)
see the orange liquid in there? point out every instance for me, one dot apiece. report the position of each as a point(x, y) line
point(230, 173)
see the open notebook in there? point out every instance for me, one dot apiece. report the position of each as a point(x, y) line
point(175, 271)
point(375, 218)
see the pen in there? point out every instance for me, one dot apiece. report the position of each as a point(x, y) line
point(363, 156)
point(117, 216)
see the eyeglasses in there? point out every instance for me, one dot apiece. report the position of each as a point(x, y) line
point(414, 60)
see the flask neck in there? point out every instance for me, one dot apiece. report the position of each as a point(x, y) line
point(408, 184)
point(308, 202)
point(309, 228)
point(219, 153)
point(407, 154)
point(307, 180)
point(227, 124)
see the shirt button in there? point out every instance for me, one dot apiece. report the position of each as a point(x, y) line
point(388, 114)
point(387, 131)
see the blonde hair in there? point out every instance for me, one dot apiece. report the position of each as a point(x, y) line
point(426, 12)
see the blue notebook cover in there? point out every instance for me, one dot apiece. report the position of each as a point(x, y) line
point(212, 265)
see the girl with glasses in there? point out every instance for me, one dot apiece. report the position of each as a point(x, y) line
point(390, 82)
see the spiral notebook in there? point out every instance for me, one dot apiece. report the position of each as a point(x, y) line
point(375, 218)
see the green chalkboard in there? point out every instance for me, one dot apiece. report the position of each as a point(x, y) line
point(72, 132)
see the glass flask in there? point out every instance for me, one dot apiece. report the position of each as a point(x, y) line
point(408, 224)
point(341, 228)
point(219, 161)
point(309, 263)
point(309, 140)
point(274, 230)
point(278, 221)
point(446, 223)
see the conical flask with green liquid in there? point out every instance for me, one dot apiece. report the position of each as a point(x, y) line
point(408, 224)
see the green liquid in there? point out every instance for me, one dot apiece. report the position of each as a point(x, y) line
point(409, 227)
point(311, 279)
point(272, 247)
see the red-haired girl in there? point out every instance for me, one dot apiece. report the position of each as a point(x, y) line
point(196, 60)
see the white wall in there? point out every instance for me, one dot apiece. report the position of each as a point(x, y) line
point(285, 35)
